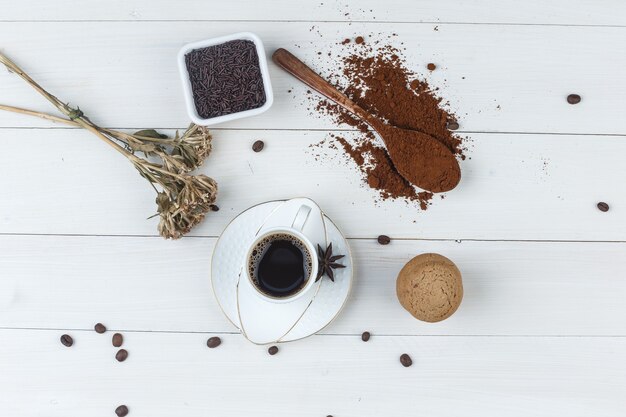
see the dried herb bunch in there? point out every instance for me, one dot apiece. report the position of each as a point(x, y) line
point(182, 199)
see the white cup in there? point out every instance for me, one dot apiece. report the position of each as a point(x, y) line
point(295, 230)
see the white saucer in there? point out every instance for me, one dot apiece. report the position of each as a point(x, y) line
point(226, 265)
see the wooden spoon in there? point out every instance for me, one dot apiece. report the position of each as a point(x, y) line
point(421, 159)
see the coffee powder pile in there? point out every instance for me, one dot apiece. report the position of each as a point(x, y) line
point(377, 79)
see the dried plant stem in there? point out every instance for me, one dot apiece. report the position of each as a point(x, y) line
point(69, 122)
point(184, 199)
point(64, 108)
point(74, 123)
point(41, 115)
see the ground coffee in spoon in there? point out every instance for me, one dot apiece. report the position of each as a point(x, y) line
point(377, 79)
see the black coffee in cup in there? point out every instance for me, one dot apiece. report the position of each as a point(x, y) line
point(280, 265)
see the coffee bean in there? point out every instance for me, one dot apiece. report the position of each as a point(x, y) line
point(117, 340)
point(452, 125)
point(213, 207)
point(121, 355)
point(431, 67)
point(602, 206)
point(258, 146)
point(67, 340)
point(99, 328)
point(384, 239)
point(214, 342)
point(405, 360)
point(365, 336)
point(121, 411)
point(273, 350)
point(573, 99)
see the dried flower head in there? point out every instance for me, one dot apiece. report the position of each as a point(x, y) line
point(185, 205)
point(180, 154)
point(194, 146)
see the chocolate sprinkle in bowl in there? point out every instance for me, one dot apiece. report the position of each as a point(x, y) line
point(225, 78)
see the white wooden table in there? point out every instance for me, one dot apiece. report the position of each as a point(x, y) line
point(541, 331)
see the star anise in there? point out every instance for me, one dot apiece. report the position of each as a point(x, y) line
point(327, 262)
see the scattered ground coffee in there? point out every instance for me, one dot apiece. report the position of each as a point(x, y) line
point(273, 350)
point(100, 328)
point(117, 340)
point(214, 342)
point(365, 336)
point(406, 360)
point(225, 78)
point(377, 79)
point(602, 206)
point(121, 355)
point(379, 172)
point(431, 67)
point(67, 340)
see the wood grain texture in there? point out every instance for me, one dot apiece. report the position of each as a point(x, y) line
point(530, 187)
point(149, 284)
point(540, 331)
point(556, 12)
point(174, 374)
point(517, 78)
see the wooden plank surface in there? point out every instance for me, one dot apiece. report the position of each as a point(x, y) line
point(174, 374)
point(124, 74)
point(540, 331)
point(514, 187)
point(511, 288)
point(556, 12)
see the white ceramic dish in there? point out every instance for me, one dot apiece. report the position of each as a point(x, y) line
point(311, 315)
point(184, 75)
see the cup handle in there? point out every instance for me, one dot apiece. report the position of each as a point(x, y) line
point(301, 218)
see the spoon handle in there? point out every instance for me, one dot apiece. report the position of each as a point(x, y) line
point(287, 61)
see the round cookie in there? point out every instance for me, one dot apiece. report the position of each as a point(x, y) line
point(429, 287)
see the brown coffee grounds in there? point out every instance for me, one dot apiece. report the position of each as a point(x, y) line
point(379, 85)
point(378, 80)
point(381, 174)
point(359, 40)
point(421, 160)
point(431, 67)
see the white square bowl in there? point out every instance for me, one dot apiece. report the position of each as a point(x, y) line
point(184, 75)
